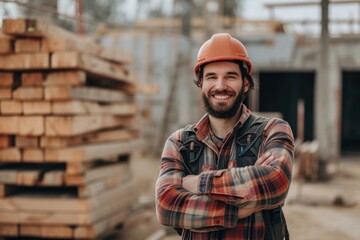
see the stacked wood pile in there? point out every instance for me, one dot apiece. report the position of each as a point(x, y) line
point(67, 128)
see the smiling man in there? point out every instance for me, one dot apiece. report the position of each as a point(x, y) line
point(227, 176)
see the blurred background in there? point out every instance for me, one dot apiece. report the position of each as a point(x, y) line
point(306, 70)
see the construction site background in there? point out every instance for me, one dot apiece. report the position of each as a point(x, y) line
point(306, 70)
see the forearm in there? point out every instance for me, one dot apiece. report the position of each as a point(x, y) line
point(179, 208)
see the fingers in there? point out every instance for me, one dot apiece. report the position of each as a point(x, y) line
point(265, 158)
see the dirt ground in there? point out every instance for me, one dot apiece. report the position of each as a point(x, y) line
point(320, 210)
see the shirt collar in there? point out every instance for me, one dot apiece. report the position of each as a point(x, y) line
point(202, 128)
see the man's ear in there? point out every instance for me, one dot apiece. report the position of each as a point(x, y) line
point(246, 85)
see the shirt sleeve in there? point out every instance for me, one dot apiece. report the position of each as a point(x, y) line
point(177, 207)
point(260, 186)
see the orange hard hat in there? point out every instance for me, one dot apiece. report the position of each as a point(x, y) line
point(222, 47)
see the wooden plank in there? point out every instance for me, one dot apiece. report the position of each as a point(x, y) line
point(61, 203)
point(25, 61)
point(73, 78)
point(96, 174)
point(103, 226)
point(97, 187)
point(61, 45)
point(28, 93)
point(6, 79)
point(9, 230)
point(27, 142)
point(27, 45)
point(5, 141)
point(85, 93)
point(10, 155)
point(33, 155)
point(5, 93)
point(82, 107)
point(75, 125)
point(8, 176)
point(32, 79)
point(91, 152)
point(96, 137)
point(34, 28)
point(36, 107)
point(70, 218)
point(10, 107)
point(6, 43)
point(91, 64)
point(31, 126)
point(9, 125)
point(44, 231)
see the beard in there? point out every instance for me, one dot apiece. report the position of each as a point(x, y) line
point(224, 112)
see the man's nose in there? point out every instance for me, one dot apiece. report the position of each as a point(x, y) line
point(220, 83)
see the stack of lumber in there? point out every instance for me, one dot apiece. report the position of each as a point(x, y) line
point(68, 126)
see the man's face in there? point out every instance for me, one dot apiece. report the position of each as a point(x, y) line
point(223, 89)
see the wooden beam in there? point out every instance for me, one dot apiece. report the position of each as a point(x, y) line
point(36, 107)
point(6, 79)
point(5, 93)
point(9, 125)
point(32, 79)
point(70, 218)
point(9, 230)
point(91, 64)
point(5, 141)
point(31, 126)
point(61, 45)
point(27, 142)
point(98, 174)
point(27, 45)
point(33, 155)
point(53, 203)
point(25, 61)
point(96, 137)
point(28, 93)
point(58, 39)
point(75, 125)
point(91, 152)
point(85, 93)
point(82, 107)
point(9, 107)
point(10, 155)
point(73, 78)
point(44, 231)
point(99, 186)
point(101, 227)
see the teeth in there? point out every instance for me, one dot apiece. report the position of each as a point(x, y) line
point(222, 96)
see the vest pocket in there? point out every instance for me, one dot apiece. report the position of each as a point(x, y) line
point(191, 153)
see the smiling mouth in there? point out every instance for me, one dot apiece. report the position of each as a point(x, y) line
point(221, 96)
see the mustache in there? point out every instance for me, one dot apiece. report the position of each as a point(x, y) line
point(223, 92)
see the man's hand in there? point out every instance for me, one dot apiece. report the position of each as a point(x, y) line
point(265, 159)
point(190, 183)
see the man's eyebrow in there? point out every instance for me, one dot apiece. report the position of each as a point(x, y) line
point(233, 73)
point(209, 74)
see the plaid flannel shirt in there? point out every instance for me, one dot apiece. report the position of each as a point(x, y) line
point(224, 187)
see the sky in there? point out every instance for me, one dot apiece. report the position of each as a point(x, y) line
point(255, 9)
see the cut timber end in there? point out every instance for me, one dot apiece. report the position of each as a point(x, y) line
point(27, 45)
point(25, 61)
point(6, 79)
point(32, 79)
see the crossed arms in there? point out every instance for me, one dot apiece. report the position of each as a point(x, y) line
point(216, 199)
